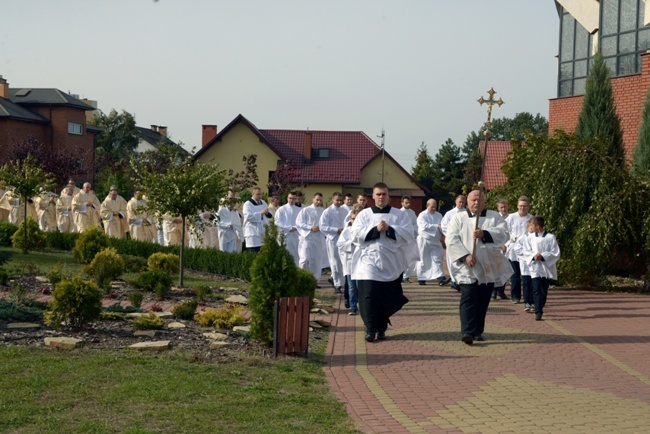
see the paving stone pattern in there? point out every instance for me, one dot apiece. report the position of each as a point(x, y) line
point(584, 369)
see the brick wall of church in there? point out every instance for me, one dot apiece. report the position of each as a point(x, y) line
point(629, 96)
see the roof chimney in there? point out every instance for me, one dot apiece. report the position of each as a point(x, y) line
point(4, 88)
point(308, 145)
point(162, 130)
point(209, 133)
point(154, 128)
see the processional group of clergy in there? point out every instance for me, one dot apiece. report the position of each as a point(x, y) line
point(369, 252)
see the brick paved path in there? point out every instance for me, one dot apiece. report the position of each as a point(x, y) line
point(584, 369)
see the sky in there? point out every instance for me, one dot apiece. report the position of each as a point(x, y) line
point(413, 68)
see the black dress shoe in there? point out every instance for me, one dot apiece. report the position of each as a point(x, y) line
point(538, 317)
point(444, 282)
point(479, 338)
point(370, 337)
point(337, 290)
point(381, 336)
point(331, 281)
point(467, 339)
point(422, 282)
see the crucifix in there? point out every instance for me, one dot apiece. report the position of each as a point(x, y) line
point(487, 133)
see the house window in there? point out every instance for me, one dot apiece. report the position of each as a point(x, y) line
point(322, 153)
point(623, 38)
point(75, 128)
point(575, 51)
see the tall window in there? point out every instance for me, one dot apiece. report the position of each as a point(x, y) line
point(575, 51)
point(623, 38)
point(75, 128)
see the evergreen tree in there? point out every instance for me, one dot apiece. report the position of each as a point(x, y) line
point(598, 117)
point(641, 156)
point(423, 169)
point(447, 173)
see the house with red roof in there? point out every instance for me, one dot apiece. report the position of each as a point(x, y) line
point(318, 161)
point(54, 118)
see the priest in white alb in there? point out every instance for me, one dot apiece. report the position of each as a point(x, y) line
point(256, 218)
point(431, 252)
point(331, 225)
point(476, 269)
point(64, 220)
point(311, 247)
point(141, 225)
point(385, 246)
point(113, 213)
point(285, 220)
point(85, 209)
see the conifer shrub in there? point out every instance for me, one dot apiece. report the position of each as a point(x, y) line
point(202, 291)
point(142, 249)
point(274, 275)
point(11, 311)
point(74, 303)
point(55, 275)
point(134, 264)
point(149, 280)
point(105, 267)
point(225, 318)
point(90, 242)
point(167, 262)
point(136, 299)
point(150, 321)
point(4, 276)
point(6, 231)
point(305, 285)
point(35, 236)
point(185, 309)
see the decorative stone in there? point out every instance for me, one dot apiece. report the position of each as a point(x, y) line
point(219, 344)
point(42, 279)
point(324, 312)
point(323, 323)
point(64, 343)
point(133, 315)
point(315, 325)
point(164, 315)
point(239, 299)
point(228, 288)
point(245, 329)
point(144, 333)
point(175, 325)
point(23, 325)
point(327, 308)
point(216, 336)
point(118, 283)
point(177, 289)
point(315, 310)
point(151, 346)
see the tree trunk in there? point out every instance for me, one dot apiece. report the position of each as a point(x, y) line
point(25, 223)
point(180, 279)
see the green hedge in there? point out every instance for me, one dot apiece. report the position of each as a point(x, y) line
point(204, 260)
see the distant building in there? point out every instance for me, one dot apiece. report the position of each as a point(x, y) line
point(150, 138)
point(55, 118)
point(497, 152)
point(323, 161)
point(620, 29)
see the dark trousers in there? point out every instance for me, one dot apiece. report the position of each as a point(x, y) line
point(253, 249)
point(474, 302)
point(378, 301)
point(540, 292)
point(515, 281)
point(527, 286)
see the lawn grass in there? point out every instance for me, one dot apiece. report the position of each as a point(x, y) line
point(43, 390)
point(49, 391)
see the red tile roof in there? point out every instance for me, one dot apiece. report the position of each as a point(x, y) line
point(497, 153)
point(349, 152)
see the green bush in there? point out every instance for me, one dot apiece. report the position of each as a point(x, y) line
point(305, 285)
point(202, 291)
point(185, 309)
point(35, 236)
point(117, 307)
point(150, 279)
point(90, 242)
point(105, 267)
point(56, 275)
point(136, 299)
point(224, 318)
point(10, 311)
point(60, 240)
point(75, 303)
point(142, 249)
point(20, 294)
point(134, 264)
point(150, 321)
point(6, 231)
point(274, 275)
point(167, 262)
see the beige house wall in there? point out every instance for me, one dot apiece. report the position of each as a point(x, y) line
point(233, 146)
point(394, 177)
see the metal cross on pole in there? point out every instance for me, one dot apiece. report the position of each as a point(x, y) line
point(487, 133)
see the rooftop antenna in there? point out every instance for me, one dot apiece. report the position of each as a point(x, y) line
point(383, 151)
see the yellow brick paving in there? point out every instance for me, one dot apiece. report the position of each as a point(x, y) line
point(507, 402)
